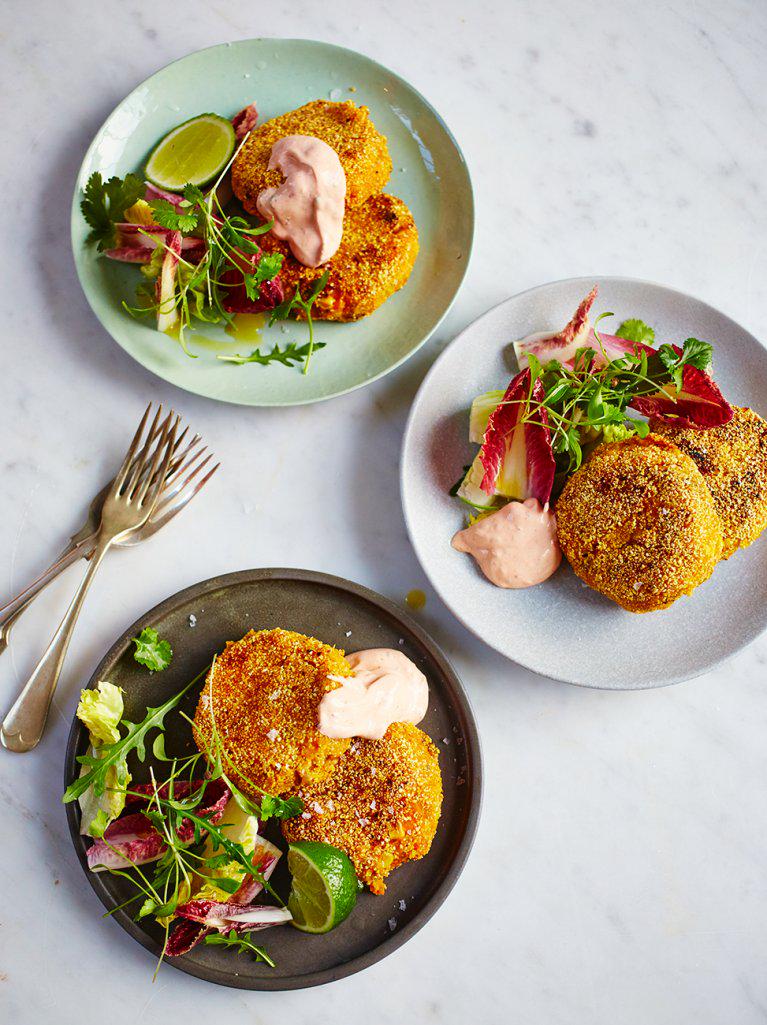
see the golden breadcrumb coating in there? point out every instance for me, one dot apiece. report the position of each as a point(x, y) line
point(266, 689)
point(374, 260)
point(345, 127)
point(733, 461)
point(381, 805)
point(638, 524)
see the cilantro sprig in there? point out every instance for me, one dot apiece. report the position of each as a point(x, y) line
point(104, 204)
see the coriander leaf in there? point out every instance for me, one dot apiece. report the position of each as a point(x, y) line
point(290, 355)
point(668, 357)
point(279, 808)
point(151, 650)
point(698, 354)
point(635, 330)
point(194, 195)
point(105, 203)
point(177, 218)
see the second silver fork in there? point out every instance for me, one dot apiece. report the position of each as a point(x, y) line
point(127, 507)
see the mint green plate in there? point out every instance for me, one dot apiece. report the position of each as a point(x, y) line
point(429, 173)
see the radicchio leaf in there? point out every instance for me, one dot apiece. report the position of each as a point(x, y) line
point(518, 456)
point(130, 840)
point(244, 121)
point(561, 346)
point(135, 243)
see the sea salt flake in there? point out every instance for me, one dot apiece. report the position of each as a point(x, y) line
point(193, 620)
point(272, 734)
point(402, 905)
point(392, 924)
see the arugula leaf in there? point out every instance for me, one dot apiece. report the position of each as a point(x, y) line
point(182, 218)
point(105, 203)
point(290, 355)
point(114, 754)
point(238, 941)
point(279, 808)
point(283, 311)
point(151, 650)
point(635, 330)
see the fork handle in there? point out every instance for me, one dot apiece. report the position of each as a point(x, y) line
point(23, 726)
point(13, 609)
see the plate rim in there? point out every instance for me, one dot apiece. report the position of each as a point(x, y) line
point(558, 677)
point(470, 206)
point(472, 742)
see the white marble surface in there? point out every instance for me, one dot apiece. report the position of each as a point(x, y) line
point(618, 874)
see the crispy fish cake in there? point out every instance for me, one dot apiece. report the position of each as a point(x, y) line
point(264, 691)
point(374, 260)
point(638, 524)
point(733, 461)
point(381, 805)
point(345, 127)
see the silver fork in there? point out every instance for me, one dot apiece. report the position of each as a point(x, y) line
point(127, 507)
point(180, 487)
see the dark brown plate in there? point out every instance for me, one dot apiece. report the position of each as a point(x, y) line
point(327, 608)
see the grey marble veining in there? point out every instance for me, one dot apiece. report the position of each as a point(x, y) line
point(618, 874)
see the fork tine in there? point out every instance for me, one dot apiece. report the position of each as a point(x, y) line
point(174, 483)
point(144, 471)
point(179, 459)
point(140, 462)
point(126, 464)
point(150, 488)
point(165, 512)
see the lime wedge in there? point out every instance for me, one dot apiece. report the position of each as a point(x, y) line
point(194, 152)
point(324, 889)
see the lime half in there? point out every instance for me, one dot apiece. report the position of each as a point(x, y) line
point(324, 887)
point(194, 152)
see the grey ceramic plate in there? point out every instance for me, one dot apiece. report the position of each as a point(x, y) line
point(429, 173)
point(561, 628)
point(328, 608)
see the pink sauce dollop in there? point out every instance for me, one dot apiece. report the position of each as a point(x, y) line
point(308, 208)
point(514, 547)
point(386, 687)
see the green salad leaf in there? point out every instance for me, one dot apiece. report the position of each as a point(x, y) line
point(289, 356)
point(635, 330)
point(104, 204)
point(152, 651)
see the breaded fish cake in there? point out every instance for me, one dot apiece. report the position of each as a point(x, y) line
point(733, 461)
point(374, 260)
point(381, 805)
point(638, 524)
point(265, 691)
point(345, 127)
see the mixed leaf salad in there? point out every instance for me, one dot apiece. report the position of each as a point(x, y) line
point(199, 263)
point(576, 389)
point(198, 832)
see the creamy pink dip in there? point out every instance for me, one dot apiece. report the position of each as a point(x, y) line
point(386, 687)
point(308, 208)
point(514, 547)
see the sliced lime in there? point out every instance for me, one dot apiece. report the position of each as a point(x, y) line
point(195, 152)
point(324, 889)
